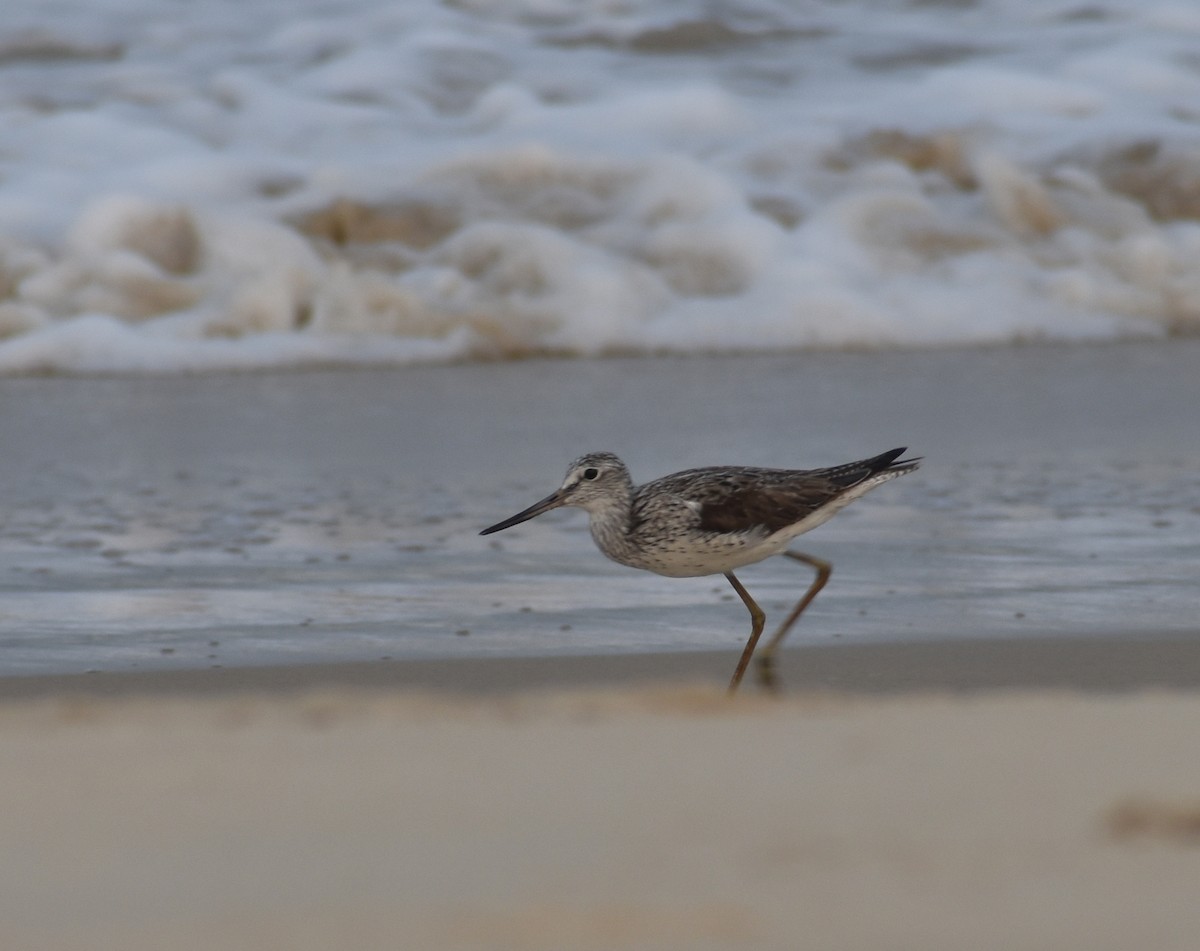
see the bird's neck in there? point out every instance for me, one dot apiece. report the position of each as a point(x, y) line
point(609, 521)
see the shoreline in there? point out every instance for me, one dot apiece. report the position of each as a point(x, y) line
point(1141, 661)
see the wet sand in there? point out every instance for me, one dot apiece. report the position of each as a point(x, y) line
point(954, 666)
point(919, 796)
point(313, 517)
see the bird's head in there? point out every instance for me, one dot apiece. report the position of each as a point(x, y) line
point(591, 481)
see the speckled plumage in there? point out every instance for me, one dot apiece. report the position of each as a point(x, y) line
point(712, 520)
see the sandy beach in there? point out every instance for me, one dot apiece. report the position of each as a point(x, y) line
point(578, 803)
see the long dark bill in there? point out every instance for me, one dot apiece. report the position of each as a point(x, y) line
point(554, 500)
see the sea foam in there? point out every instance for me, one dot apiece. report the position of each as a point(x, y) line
point(190, 189)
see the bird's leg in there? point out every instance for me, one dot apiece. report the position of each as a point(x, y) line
point(766, 659)
point(757, 619)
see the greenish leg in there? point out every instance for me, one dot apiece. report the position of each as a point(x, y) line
point(766, 659)
point(757, 619)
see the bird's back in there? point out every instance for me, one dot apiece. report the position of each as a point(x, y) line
point(713, 519)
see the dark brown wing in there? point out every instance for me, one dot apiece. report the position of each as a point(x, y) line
point(738, 499)
point(765, 503)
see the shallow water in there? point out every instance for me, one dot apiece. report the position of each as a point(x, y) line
point(245, 519)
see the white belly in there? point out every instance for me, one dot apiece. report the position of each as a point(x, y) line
point(693, 557)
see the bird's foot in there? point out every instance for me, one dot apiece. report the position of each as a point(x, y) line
point(767, 678)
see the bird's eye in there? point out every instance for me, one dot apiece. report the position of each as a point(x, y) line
point(591, 474)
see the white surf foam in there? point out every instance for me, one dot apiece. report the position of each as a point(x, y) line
point(193, 188)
